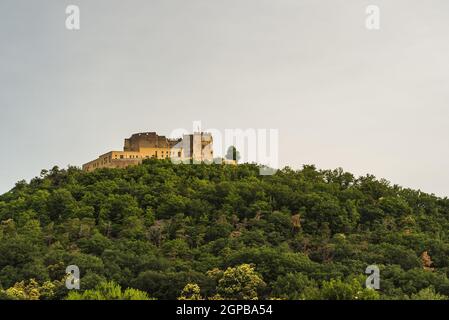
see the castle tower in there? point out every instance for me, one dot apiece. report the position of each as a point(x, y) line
point(198, 147)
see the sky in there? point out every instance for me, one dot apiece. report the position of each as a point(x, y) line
point(369, 101)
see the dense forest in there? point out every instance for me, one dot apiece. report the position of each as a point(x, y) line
point(166, 231)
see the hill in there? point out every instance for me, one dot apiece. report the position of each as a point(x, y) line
point(220, 231)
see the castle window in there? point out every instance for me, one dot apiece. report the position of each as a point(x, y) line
point(121, 156)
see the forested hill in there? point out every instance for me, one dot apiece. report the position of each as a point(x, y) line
point(221, 231)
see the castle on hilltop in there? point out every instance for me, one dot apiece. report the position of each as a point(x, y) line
point(196, 147)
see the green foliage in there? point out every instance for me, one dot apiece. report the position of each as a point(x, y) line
point(241, 283)
point(108, 291)
point(32, 290)
point(221, 232)
point(191, 292)
point(336, 289)
point(233, 154)
point(428, 294)
point(293, 286)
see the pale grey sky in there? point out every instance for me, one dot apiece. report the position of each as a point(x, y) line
point(368, 101)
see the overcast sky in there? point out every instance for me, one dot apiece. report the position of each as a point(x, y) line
point(341, 95)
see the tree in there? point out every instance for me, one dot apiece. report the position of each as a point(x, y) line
point(109, 291)
point(428, 294)
point(176, 248)
point(293, 286)
point(61, 205)
point(159, 226)
point(426, 261)
point(32, 290)
point(336, 289)
point(296, 222)
point(241, 283)
point(22, 291)
point(191, 292)
point(233, 154)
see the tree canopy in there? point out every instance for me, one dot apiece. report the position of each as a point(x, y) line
point(170, 231)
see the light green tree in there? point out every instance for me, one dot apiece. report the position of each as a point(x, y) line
point(191, 292)
point(336, 289)
point(428, 294)
point(31, 290)
point(241, 283)
point(109, 291)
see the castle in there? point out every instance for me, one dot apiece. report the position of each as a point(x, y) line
point(196, 147)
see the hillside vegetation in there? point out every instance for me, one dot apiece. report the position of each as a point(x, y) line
point(168, 231)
